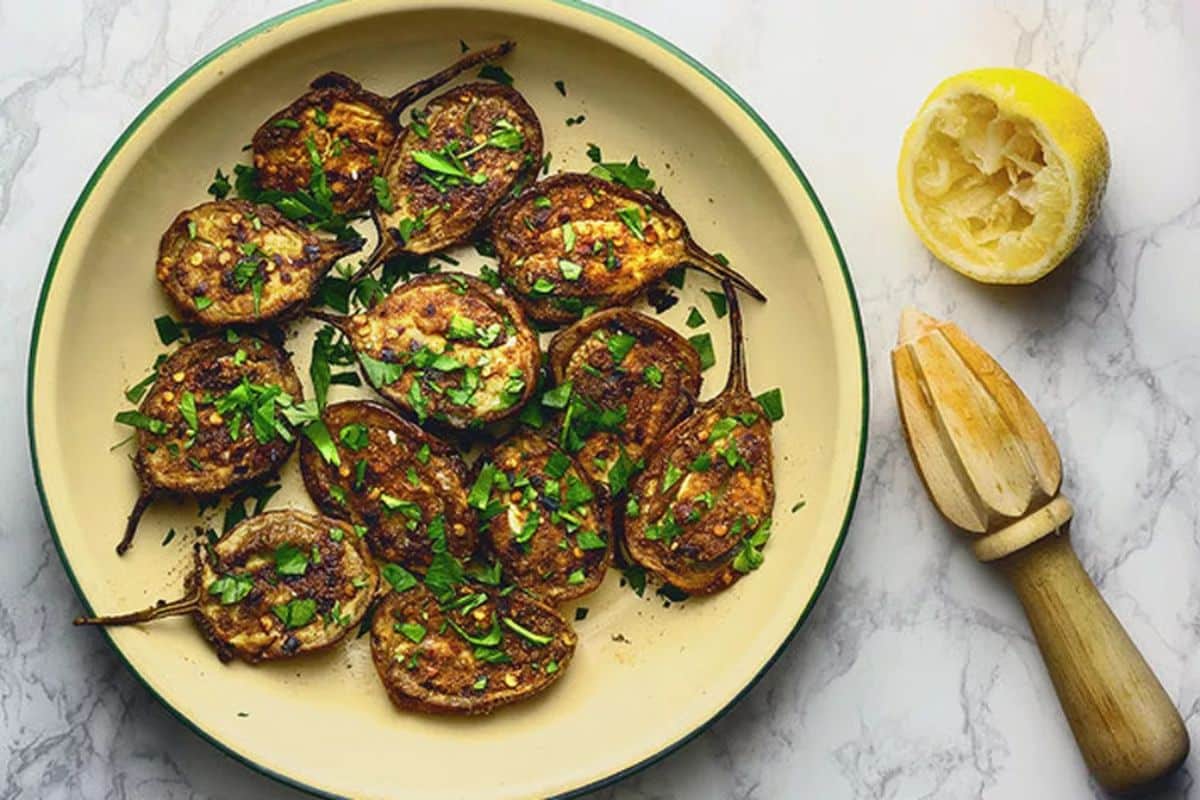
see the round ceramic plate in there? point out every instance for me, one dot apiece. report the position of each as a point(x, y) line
point(646, 677)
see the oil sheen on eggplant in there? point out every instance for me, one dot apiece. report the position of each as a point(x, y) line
point(700, 514)
point(543, 517)
point(234, 262)
point(218, 385)
point(458, 160)
point(574, 243)
point(352, 129)
point(623, 362)
point(446, 347)
point(278, 585)
point(404, 488)
point(476, 651)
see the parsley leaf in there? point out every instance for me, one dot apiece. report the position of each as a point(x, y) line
point(772, 404)
point(704, 348)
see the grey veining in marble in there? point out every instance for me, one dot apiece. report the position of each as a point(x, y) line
point(916, 676)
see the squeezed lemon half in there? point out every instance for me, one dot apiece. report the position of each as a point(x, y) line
point(1002, 172)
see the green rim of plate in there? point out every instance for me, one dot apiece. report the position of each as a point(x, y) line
point(579, 5)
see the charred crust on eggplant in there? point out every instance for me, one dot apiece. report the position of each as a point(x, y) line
point(353, 129)
point(403, 487)
point(487, 133)
point(278, 585)
point(208, 405)
point(573, 243)
point(544, 518)
point(622, 360)
point(235, 262)
point(700, 513)
point(478, 651)
point(446, 347)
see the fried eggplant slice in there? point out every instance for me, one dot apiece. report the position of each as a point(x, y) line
point(545, 523)
point(235, 262)
point(622, 363)
point(478, 651)
point(576, 242)
point(278, 585)
point(700, 514)
point(453, 166)
point(446, 347)
point(213, 421)
point(350, 128)
point(406, 489)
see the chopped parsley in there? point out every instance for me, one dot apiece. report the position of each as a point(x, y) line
point(231, 588)
point(296, 613)
point(497, 73)
point(719, 303)
point(771, 402)
point(413, 631)
point(704, 348)
point(400, 579)
point(383, 195)
point(137, 419)
point(219, 187)
point(290, 560)
point(632, 217)
point(633, 174)
point(653, 376)
point(619, 345)
point(355, 436)
point(569, 269)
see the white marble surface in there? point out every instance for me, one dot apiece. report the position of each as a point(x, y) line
point(916, 676)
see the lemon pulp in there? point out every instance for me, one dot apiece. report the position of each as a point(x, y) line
point(1001, 173)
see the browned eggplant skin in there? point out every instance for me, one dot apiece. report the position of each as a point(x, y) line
point(580, 354)
point(420, 314)
point(344, 581)
point(550, 561)
point(701, 511)
point(357, 133)
point(393, 447)
point(200, 254)
point(440, 673)
point(466, 114)
point(208, 369)
point(699, 560)
point(528, 233)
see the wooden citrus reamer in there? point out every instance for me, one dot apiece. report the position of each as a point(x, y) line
point(992, 469)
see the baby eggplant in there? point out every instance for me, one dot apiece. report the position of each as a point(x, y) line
point(278, 585)
point(212, 421)
point(479, 650)
point(446, 347)
point(544, 520)
point(623, 363)
point(700, 514)
point(402, 487)
point(350, 129)
point(234, 262)
point(453, 165)
point(574, 243)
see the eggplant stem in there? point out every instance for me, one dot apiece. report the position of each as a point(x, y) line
point(339, 321)
point(184, 605)
point(705, 261)
point(344, 248)
point(383, 251)
point(408, 95)
point(737, 382)
point(145, 498)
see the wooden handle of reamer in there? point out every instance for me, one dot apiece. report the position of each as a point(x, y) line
point(1129, 731)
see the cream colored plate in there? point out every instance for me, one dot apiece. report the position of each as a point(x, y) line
point(646, 677)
